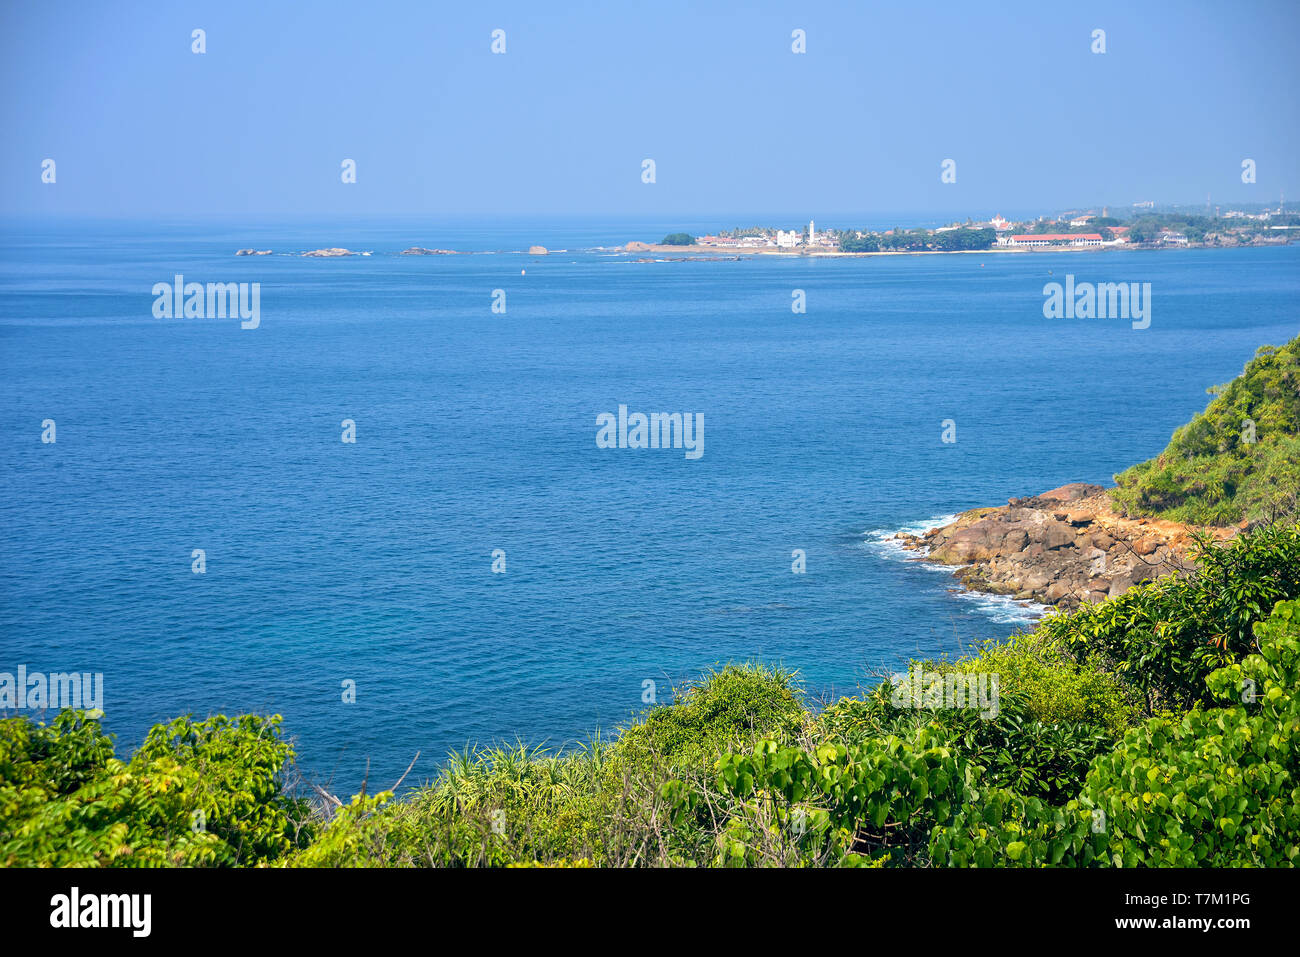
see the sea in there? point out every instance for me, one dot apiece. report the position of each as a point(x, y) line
point(473, 568)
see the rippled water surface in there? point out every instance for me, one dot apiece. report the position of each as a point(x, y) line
point(475, 431)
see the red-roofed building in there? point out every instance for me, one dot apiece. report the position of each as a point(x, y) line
point(1053, 239)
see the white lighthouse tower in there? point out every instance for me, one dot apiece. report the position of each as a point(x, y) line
point(812, 233)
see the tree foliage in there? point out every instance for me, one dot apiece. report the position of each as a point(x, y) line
point(197, 793)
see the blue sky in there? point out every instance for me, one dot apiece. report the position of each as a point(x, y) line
point(559, 125)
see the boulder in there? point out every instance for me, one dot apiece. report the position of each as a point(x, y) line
point(1055, 536)
point(1036, 581)
point(1072, 492)
point(1016, 540)
point(1146, 545)
point(1056, 591)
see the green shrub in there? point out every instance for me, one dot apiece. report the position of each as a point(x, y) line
point(879, 798)
point(1165, 637)
point(736, 704)
point(1043, 682)
point(206, 793)
point(238, 780)
point(1216, 787)
point(355, 837)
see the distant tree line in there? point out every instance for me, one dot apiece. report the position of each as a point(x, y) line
point(920, 240)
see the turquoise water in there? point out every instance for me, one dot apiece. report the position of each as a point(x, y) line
point(475, 431)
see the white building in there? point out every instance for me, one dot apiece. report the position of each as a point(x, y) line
point(787, 239)
point(1038, 240)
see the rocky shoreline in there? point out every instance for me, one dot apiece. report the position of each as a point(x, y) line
point(1064, 547)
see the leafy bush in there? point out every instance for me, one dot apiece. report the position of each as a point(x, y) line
point(875, 779)
point(1043, 682)
point(1166, 636)
point(238, 780)
point(206, 793)
point(731, 706)
point(879, 798)
point(1216, 787)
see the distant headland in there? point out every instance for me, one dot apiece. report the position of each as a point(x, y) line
point(1142, 228)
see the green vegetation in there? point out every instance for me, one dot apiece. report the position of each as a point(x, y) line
point(957, 239)
point(1214, 787)
point(678, 239)
point(1238, 460)
point(196, 793)
point(900, 239)
point(1161, 728)
point(1166, 637)
point(1146, 227)
point(868, 243)
point(920, 240)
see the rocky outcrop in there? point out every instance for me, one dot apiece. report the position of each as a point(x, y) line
point(538, 251)
point(636, 247)
point(253, 252)
point(331, 253)
point(421, 251)
point(1063, 547)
